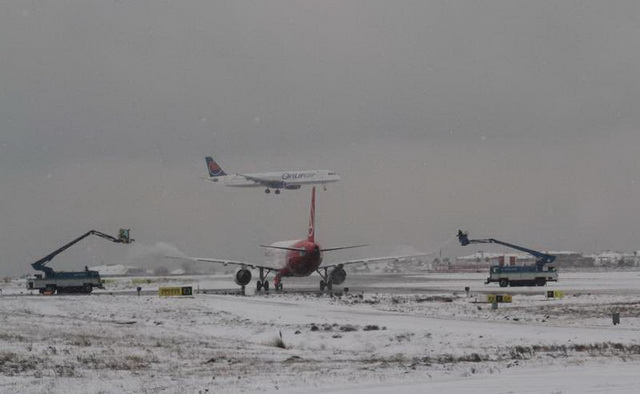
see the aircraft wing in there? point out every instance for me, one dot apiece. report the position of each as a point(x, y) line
point(404, 258)
point(224, 262)
point(264, 181)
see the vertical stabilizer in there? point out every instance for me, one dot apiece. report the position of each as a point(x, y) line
point(213, 167)
point(312, 217)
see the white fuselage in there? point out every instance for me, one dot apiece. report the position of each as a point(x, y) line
point(280, 179)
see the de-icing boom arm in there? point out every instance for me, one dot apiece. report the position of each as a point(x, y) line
point(542, 258)
point(40, 265)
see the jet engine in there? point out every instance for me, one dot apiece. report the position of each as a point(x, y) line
point(338, 275)
point(242, 277)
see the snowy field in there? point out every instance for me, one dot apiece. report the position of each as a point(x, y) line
point(389, 333)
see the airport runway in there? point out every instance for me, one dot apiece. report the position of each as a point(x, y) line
point(437, 283)
point(613, 283)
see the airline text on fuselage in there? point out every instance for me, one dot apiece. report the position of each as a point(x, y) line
point(298, 175)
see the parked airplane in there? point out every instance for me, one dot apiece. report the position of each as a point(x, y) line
point(299, 258)
point(289, 180)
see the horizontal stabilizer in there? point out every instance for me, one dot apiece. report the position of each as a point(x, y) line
point(284, 248)
point(343, 247)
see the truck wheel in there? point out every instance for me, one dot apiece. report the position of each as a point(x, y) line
point(88, 288)
point(504, 282)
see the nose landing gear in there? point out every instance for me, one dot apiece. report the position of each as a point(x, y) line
point(277, 282)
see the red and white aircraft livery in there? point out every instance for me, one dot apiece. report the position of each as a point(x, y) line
point(288, 180)
point(299, 258)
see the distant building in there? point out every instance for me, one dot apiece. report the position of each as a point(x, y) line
point(564, 260)
point(572, 260)
point(118, 270)
point(416, 264)
point(481, 261)
point(613, 259)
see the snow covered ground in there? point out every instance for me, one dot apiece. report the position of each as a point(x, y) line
point(394, 333)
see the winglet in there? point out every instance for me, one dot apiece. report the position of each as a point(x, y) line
point(213, 167)
point(312, 217)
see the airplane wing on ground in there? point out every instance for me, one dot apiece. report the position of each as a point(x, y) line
point(404, 258)
point(224, 262)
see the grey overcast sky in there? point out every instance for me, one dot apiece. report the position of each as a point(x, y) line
point(511, 119)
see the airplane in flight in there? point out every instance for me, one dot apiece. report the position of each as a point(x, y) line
point(287, 180)
point(298, 258)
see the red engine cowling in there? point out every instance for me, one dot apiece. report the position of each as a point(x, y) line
point(242, 277)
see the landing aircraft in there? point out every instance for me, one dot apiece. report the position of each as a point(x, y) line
point(288, 180)
point(299, 258)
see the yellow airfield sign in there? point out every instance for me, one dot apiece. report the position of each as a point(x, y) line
point(175, 291)
point(556, 294)
point(491, 298)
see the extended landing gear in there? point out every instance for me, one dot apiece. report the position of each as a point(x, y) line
point(267, 190)
point(326, 281)
point(263, 283)
point(328, 285)
point(277, 283)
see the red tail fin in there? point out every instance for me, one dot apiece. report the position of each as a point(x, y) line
point(312, 217)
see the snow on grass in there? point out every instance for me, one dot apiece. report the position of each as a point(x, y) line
point(115, 343)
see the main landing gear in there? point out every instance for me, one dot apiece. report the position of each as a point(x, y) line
point(263, 283)
point(267, 190)
point(326, 281)
point(324, 284)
